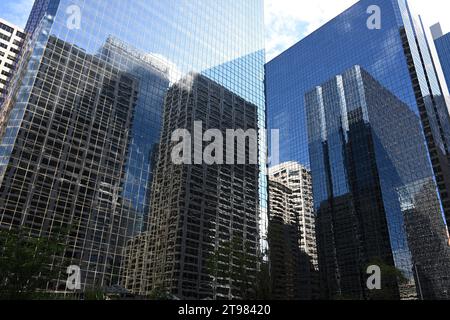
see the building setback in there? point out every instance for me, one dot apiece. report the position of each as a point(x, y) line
point(297, 213)
point(199, 210)
point(374, 191)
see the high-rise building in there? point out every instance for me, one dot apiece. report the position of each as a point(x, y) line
point(297, 179)
point(200, 209)
point(11, 41)
point(442, 43)
point(284, 251)
point(375, 195)
point(397, 55)
point(79, 132)
point(77, 170)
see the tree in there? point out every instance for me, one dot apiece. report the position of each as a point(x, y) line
point(94, 294)
point(248, 275)
point(391, 279)
point(25, 263)
point(159, 293)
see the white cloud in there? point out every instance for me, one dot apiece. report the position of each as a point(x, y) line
point(288, 21)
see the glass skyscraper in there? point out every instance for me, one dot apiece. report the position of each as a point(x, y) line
point(442, 43)
point(397, 57)
point(375, 195)
point(79, 134)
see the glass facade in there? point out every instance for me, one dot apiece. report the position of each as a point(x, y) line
point(375, 195)
point(198, 209)
point(398, 58)
point(79, 137)
point(442, 44)
point(397, 55)
point(292, 233)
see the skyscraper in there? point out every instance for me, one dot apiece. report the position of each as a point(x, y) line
point(11, 40)
point(297, 179)
point(284, 251)
point(442, 43)
point(77, 167)
point(198, 209)
point(79, 135)
point(374, 190)
point(396, 55)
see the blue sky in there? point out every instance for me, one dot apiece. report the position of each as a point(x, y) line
point(287, 21)
point(16, 11)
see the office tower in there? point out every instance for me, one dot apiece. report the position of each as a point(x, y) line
point(11, 40)
point(198, 208)
point(70, 162)
point(41, 10)
point(396, 55)
point(297, 178)
point(374, 190)
point(442, 43)
point(80, 132)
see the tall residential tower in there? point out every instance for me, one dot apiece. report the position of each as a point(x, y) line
point(300, 216)
point(199, 210)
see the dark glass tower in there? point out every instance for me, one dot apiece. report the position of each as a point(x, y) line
point(79, 135)
point(375, 195)
point(397, 56)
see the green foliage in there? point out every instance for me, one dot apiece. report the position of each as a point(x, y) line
point(391, 278)
point(232, 261)
point(95, 294)
point(159, 294)
point(24, 263)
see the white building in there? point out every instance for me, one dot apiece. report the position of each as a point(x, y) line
point(11, 39)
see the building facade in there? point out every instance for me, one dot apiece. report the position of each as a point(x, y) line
point(283, 243)
point(80, 130)
point(396, 55)
point(198, 210)
point(442, 43)
point(375, 193)
point(297, 179)
point(11, 41)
